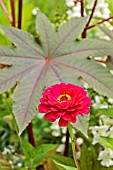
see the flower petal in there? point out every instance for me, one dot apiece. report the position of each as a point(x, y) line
point(43, 108)
point(51, 116)
point(67, 116)
point(63, 122)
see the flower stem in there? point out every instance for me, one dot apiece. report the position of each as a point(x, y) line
point(19, 13)
point(12, 4)
point(73, 140)
point(66, 144)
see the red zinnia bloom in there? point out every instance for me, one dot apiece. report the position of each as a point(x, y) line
point(64, 101)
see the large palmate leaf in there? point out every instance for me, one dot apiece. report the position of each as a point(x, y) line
point(82, 124)
point(59, 58)
point(109, 33)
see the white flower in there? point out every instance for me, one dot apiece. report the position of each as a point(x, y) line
point(35, 11)
point(6, 151)
point(60, 148)
point(74, 11)
point(110, 100)
point(63, 139)
point(96, 139)
point(97, 98)
point(78, 155)
point(105, 120)
point(70, 3)
point(106, 157)
point(55, 129)
point(80, 141)
point(19, 164)
point(101, 130)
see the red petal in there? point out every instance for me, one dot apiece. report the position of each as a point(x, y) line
point(67, 116)
point(46, 117)
point(43, 108)
point(73, 119)
point(60, 113)
point(51, 116)
point(63, 122)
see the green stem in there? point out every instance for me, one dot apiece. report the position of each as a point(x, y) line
point(73, 140)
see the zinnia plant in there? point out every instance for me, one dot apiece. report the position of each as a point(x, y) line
point(64, 101)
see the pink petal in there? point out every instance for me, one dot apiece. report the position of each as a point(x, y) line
point(63, 122)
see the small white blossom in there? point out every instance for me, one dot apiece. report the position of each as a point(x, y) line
point(55, 129)
point(97, 132)
point(97, 98)
point(106, 157)
point(80, 141)
point(35, 11)
point(70, 3)
point(110, 100)
point(101, 130)
point(19, 164)
point(6, 151)
point(78, 155)
point(60, 148)
point(104, 120)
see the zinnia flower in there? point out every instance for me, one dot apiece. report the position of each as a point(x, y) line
point(64, 101)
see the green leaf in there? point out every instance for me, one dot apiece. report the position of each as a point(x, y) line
point(109, 33)
point(63, 167)
point(67, 33)
point(27, 148)
point(110, 6)
point(37, 160)
point(108, 142)
point(88, 158)
point(22, 39)
point(63, 160)
point(58, 59)
point(43, 148)
point(82, 124)
point(107, 112)
point(46, 32)
point(40, 152)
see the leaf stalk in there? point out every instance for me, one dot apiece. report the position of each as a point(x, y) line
point(6, 11)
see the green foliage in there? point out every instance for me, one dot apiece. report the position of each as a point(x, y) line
point(110, 5)
point(88, 159)
point(36, 155)
point(107, 112)
point(63, 160)
point(63, 167)
point(108, 142)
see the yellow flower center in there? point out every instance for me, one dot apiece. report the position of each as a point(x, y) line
point(63, 98)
